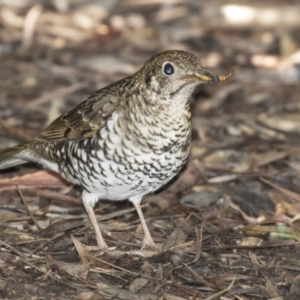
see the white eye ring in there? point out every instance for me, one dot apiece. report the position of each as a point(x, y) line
point(168, 68)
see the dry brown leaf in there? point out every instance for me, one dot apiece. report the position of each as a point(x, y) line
point(271, 289)
point(15, 236)
point(79, 271)
point(201, 199)
point(223, 178)
point(295, 286)
point(283, 204)
point(172, 297)
point(29, 181)
point(85, 296)
point(198, 246)
point(160, 272)
point(250, 241)
point(249, 219)
point(81, 250)
point(147, 268)
point(269, 157)
point(137, 284)
point(177, 237)
point(284, 191)
point(289, 122)
point(228, 288)
point(233, 160)
point(257, 263)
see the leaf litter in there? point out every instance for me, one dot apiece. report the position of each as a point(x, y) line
point(228, 224)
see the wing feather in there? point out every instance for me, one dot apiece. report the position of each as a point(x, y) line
point(84, 120)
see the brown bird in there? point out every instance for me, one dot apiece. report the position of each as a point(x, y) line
point(125, 140)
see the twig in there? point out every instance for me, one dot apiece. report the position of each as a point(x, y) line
point(12, 249)
point(198, 246)
point(284, 191)
point(28, 210)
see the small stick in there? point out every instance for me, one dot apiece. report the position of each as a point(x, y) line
point(28, 210)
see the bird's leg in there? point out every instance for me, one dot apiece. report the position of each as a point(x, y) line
point(89, 200)
point(147, 241)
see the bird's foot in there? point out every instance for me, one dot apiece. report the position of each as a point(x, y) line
point(148, 243)
point(148, 249)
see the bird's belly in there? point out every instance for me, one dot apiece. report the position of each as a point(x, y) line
point(115, 180)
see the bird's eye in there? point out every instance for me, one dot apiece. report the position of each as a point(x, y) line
point(168, 69)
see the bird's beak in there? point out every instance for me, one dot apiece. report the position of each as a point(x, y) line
point(208, 76)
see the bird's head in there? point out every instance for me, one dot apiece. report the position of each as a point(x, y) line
point(173, 75)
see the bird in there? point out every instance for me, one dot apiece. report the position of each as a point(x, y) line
point(125, 140)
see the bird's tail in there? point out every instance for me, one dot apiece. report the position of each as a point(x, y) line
point(10, 157)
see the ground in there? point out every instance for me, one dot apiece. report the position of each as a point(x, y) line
point(228, 224)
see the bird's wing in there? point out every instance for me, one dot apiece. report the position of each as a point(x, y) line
point(84, 120)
